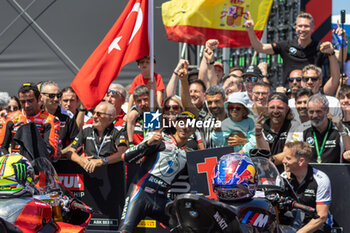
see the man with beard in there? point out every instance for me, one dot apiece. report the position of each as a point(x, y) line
point(277, 129)
point(215, 96)
point(261, 92)
point(294, 81)
point(328, 140)
point(301, 99)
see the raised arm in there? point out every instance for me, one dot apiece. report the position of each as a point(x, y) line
point(206, 69)
point(185, 94)
point(331, 85)
point(256, 43)
point(172, 84)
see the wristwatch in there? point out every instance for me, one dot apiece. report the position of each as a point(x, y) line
point(105, 160)
point(82, 110)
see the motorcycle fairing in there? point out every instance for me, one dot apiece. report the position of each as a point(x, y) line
point(11, 208)
point(33, 216)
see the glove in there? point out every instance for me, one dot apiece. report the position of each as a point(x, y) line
point(20, 169)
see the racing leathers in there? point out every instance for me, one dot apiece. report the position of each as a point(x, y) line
point(48, 126)
point(147, 195)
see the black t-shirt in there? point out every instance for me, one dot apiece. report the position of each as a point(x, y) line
point(333, 145)
point(296, 57)
point(69, 128)
point(276, 140)
point(88, 138)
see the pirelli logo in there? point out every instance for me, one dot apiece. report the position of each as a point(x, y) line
point(147, 224)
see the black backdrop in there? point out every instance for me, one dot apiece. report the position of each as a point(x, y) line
point(63, 36)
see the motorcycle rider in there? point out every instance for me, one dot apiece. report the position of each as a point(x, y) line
point(164, 158)
point(311, 186)
point(16, 176)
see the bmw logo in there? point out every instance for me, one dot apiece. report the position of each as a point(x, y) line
point(269, 138)
point(194, 214)
point(292, 50)
point(310, 140)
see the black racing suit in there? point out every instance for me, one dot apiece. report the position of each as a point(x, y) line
point(147, 195)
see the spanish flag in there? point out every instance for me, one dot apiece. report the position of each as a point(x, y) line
point(196, 21)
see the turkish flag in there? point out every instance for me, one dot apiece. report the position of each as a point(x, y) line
point(127, 41)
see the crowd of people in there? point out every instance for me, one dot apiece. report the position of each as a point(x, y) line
point(239, 109)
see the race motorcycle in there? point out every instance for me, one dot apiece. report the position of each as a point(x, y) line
point(193, 213)
point(52, 209)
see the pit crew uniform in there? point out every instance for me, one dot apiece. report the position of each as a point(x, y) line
point(47, 124)
point(147, 195)
point(314, 189)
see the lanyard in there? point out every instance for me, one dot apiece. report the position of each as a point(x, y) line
point(98, 150)
point(319, 151)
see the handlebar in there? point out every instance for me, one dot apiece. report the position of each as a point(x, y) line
point(75, 205)
point(305, 208)
point(290, 204)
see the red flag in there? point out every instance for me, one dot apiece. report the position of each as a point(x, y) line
point(127, 41)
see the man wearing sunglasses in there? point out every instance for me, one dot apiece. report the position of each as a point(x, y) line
point(48, 125)
point(250, 77)
point(312, 80)
point(294, 81)
point(115, 95)
point(99, 146)
point(50, 98)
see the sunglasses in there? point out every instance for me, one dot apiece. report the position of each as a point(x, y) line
point(114, 92)
point(99, 114)
point(290, 79)
point(52, 95)
point(252, 79)
point(174, 107)
point(314, 79)
point(232, 107)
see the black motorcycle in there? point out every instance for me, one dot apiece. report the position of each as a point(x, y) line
point(194, 213)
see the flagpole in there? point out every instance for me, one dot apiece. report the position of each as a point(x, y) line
point(151, 48)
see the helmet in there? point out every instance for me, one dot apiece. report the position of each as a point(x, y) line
point(235, 177)
point(16, 175)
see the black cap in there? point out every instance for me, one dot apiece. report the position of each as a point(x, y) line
point(252, 70)
point(279, 96)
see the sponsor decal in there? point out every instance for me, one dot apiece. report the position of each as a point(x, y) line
point(255, 219)
point(73, 182)
point(220, 221)
point(310, 140)
point(147, 224)
point(292, 50)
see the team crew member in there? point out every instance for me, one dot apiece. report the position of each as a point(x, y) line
point(327, 140)
point(50, 98)
point(103, 145)
point(165, 157)
point(311, 186)
point(47, 124)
